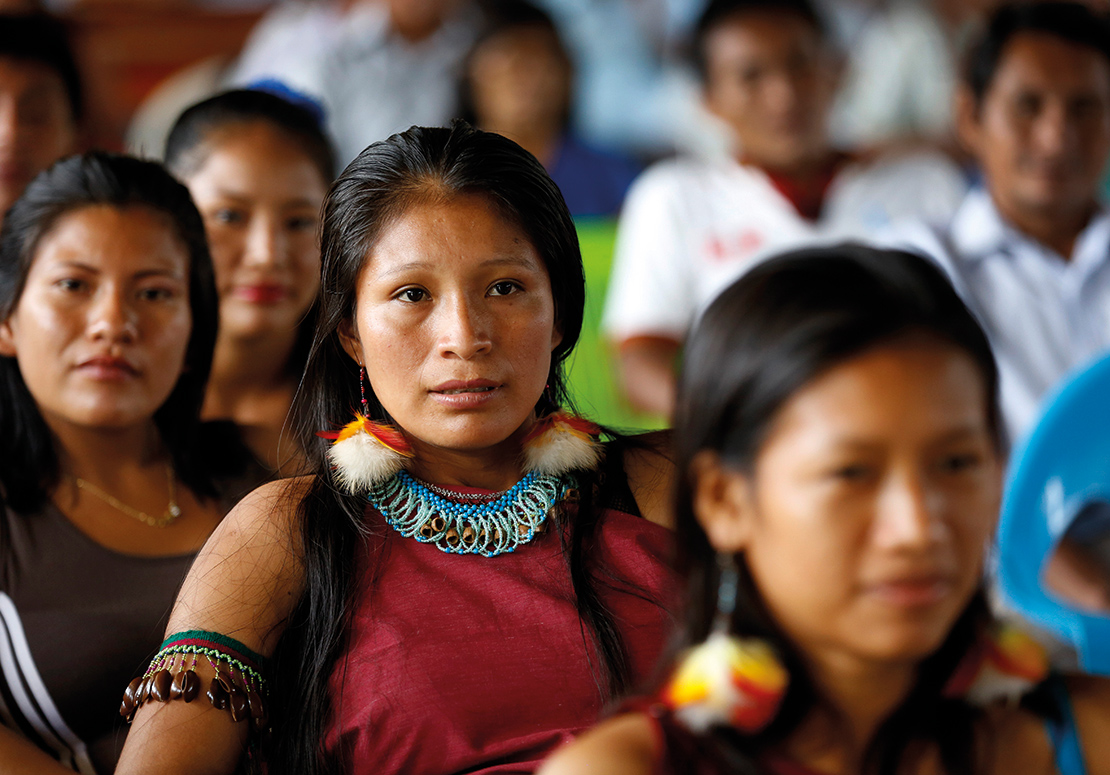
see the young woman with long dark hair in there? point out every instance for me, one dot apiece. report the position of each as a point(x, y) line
point(467, 576)
point(839, 457)
point(258, 165)
point(107, 485)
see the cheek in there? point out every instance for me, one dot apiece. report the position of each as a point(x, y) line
point(224, 246)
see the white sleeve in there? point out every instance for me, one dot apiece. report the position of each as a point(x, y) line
point(651, 290)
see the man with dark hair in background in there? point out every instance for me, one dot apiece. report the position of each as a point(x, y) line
point(691, 226)
point(1029, 249)
point(40, 100)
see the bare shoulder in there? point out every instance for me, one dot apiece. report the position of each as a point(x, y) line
point(1090, 700)
point(623, 745)
point(649, 466)
point(249, 575)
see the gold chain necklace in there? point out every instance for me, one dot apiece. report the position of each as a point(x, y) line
point(173, 511)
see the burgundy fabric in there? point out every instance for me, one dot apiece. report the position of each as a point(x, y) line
point(475, 664)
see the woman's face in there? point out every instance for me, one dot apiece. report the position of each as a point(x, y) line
point(455, 324)
point(102, 326)
point(865, 519)
point(260, 196)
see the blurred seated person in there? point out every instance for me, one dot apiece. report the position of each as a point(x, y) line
point(518, 82)
point(1030, 249)
point(258, 165)
point(40, 100)
point(379, 66)
point(691, 226)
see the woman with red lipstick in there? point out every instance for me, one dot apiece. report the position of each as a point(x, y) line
point(838, 442)
point(107, 490)
point(467, 575)
point(257, 165)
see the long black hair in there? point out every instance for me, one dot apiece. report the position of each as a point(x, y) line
point(30, 468)
point(410, 168)
point(198, 129)
point(767, 336)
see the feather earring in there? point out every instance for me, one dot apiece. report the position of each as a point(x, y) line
point(559, 443)
point(727, 680)
point(365, 452)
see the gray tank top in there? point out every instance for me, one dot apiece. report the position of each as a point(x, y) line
point(77, 623)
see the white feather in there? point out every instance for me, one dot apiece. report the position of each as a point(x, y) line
point(361, 462)
point(559, 450)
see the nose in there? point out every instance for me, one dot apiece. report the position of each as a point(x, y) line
point(781, 92)
point(910, 514)
point(112, 318)
point(464, 328)
point(1053, 130)
point(266, 243)
point(9, 123)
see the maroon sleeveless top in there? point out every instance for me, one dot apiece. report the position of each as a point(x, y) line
point(463, 663)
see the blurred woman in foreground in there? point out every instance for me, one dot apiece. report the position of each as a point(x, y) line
point(840, 474)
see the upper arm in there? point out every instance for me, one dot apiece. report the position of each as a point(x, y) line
point(21, 757)
point(244, 584)
point(248, 576)
point(647, 367)
point(624, 745)
point(651, 472)
point(1090, 698)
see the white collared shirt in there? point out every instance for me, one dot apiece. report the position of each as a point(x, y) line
point(1044, 315)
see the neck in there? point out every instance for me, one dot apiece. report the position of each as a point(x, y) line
point(857, 698)
point(494, 468)
point(1053, 229)
point(243, 369)
point(539, 141)
point(800, 170)
point(105, 455)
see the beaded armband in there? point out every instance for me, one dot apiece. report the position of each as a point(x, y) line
point(237, 687)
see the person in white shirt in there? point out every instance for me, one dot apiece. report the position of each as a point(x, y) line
point(1030, 249)
point(691, 226)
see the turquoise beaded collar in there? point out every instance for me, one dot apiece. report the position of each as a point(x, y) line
point(491, 528)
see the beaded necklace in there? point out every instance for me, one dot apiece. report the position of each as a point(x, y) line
point(469, 525)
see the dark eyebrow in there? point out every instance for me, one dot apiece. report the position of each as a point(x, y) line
point(508, 261)
point(141, 274)
point(243, 198)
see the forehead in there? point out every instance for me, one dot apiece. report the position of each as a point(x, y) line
point(1044, 62)
point(758, 32)
point(27, 77)
point(117, 237)
point(461, 230)
point(257, 145)
point(918, 389)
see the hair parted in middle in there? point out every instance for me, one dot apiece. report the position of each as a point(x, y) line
point(409, 169)
point(772, 332)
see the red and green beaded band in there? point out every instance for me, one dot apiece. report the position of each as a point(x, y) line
point(204, 642)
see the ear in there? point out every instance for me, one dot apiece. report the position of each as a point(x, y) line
point(968, 120)
point(348, 338)
point(556, 335)
point(722, 503)
point(7, 340)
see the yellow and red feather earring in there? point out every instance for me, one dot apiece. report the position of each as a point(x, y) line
point(366, 452)
point(727, 680)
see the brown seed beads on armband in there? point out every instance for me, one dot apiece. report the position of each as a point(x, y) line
point(237, 686)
